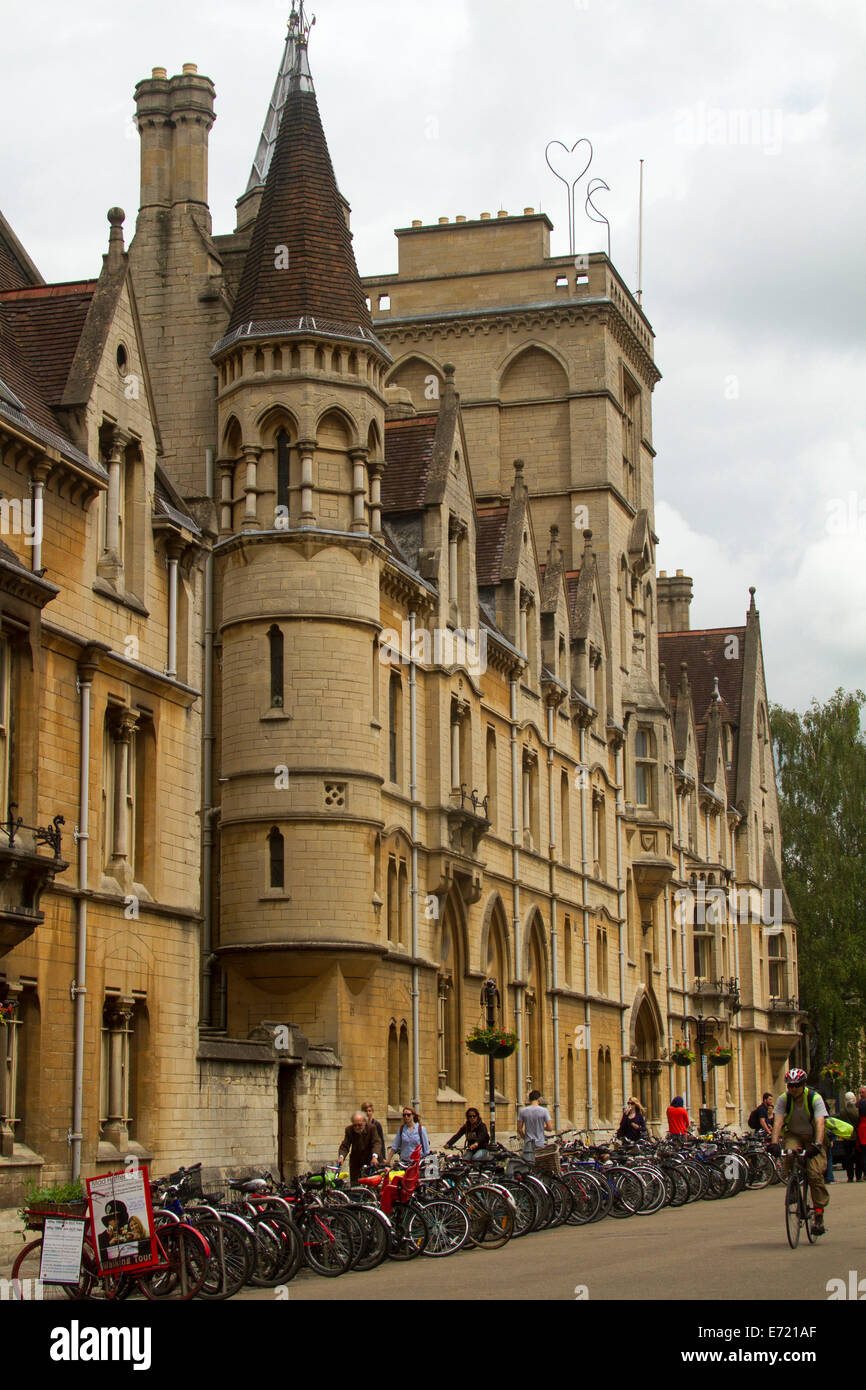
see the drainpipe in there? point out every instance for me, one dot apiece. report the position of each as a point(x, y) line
point(515, 889)
point(171, 661)
point(553, 905)
point(38, 484)
point(735, 1025)
point(621, 910)
point(669, 986)
point(683, 956)
point(587, 1013)
point(208, 959)
point(78, 990)
point(413, 798)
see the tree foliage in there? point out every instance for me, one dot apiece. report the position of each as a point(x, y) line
point(821, 766)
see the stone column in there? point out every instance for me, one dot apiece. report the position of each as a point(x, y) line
point(307, 449)
point(251, 458)
point(359, 489)
point(175, 550)
point(227, 470)
point(9, 1071)
point(376, 470)
point(110, 564)
point(119, 1014)
point(127, 720)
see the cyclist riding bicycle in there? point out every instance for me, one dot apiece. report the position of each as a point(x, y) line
point(799, 1124)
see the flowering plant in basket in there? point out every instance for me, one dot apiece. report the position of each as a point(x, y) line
point(492, 1042)
point(720, 1056)
point(681, 1056)
point(833, 1072)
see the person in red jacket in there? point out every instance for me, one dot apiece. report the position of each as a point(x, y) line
point(678, 1116)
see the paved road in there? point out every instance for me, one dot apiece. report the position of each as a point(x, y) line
point(714, 1251)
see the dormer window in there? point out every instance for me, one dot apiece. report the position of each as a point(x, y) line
point(644, 753)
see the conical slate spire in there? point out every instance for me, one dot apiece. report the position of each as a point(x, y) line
point(300, 273)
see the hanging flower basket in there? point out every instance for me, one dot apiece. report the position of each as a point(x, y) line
point(833, 1072)
point(492, 1042)
point(720, 1057)
point(681, 1056)
point(6, 1012)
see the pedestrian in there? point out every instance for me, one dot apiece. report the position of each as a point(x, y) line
point(632, 1126)
point(410, 1134)
point(849, 1113)
point(533, 1121)
point(367, 1108)
point(475, 1132)
point(860, 1134)
point(761, 1118)
point(361, 1144)
point(678, 1116)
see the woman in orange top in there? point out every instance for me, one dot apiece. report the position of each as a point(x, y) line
point(678, 1116)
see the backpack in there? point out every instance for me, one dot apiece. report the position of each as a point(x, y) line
point(754, 1121)
point(838, 1128)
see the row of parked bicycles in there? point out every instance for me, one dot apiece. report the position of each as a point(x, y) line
point(259, 1232)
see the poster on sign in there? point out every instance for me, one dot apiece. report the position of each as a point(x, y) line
point(121, 1218)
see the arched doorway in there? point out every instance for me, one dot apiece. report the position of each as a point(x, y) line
point(647, 1065)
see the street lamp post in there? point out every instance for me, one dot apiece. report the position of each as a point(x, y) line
point(701, 1022)
point(490, 1000)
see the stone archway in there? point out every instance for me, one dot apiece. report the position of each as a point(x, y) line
point(646, 1066)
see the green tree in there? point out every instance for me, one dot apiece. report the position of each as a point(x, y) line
point(821, 765)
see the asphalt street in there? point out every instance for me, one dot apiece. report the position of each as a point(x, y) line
point(714, 1251)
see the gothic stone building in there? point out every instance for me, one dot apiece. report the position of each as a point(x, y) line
point(344, 659)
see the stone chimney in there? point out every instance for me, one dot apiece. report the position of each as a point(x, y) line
point(174, 116)
point(674, 601)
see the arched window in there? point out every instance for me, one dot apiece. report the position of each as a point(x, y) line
point(275, 641)
point(403, 1064)
point(395, 721)
point(601, 1088)
point(492, 779)
point(564, 820)
point(392, 904)
point(403, 905)
point(567, 951)
point(450, 1002)
point(276, 858)
point(394, 1091)
point(535, 1001)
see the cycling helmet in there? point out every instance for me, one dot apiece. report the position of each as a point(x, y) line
point(795, 1077)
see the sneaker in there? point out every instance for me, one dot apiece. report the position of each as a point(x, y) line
point(818, 1227)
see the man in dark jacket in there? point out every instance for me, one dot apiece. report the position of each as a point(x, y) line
point(361, 1143)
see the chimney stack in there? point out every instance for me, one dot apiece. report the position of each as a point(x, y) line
point(674, 601)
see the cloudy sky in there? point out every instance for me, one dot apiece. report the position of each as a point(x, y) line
point(750, 118)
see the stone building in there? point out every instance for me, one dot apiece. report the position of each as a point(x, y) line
point(353, 585)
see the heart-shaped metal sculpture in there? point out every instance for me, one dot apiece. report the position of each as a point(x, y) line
point(593, 213)
point(570, 171)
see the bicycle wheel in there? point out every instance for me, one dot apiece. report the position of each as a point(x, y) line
point(792, 1211)
point(26, 1284)
point(656, 1193)
point(586, 1198)
point(377, 1235)
point(628, 1191)
point(231, 1259)
point(327, 1249)
point(526, 1214)
point(491, 1213)
point(560, 1197)
point(447, 1227)
point(409, 1233)
point(184, 1256)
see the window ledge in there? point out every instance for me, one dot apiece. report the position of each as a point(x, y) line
point(275, 895)
point(449, 1097)
point(131, 601)
point(275, 716)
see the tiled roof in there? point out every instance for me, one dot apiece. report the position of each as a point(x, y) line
point(408, 457)
point(301, 211)
point(19, 375)
point(47, 321)
point(490, 544)
point(16, 267)
point(708, 653)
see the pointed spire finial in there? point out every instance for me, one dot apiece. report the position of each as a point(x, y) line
point(716, 695)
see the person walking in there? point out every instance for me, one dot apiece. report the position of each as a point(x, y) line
point(361, 1144)
point(410, 1134)
point(533, 1121)
point(632, 1126)
point(860, 1136)
point(367, 1108)
point(848, 1112)
point(678, 1116)
point(475, 1132)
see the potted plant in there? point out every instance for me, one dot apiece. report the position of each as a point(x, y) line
point(720, 1056)
point(492, 1042)
point(681, 1056)
point(834, 1073)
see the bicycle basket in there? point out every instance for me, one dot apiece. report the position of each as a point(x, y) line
point(190, 1183)
point(547, 1159)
